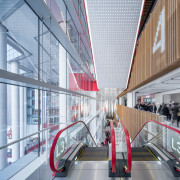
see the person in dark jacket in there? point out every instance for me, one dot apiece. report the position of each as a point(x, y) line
point(159, 109)
point(149, 107)
point(146, 107)
point(136, 106)
point(165, 111)
point(170, 111)
point(153, 108)
point(141, 107)
point(178, 117)
point(175, 111)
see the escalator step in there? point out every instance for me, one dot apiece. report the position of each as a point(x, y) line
point(94, 154)
point(142, 154)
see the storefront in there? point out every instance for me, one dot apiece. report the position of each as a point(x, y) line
point(148, 99)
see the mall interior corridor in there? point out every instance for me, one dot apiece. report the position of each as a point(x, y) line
point(89, 89)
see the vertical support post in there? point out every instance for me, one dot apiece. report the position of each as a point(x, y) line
point(25, 115)
point(21, 100)
point(15, 114)
point(39, 95)
point(62, 83)
point(3, 95)
point(93, 125)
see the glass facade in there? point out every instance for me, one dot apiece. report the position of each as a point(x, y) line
point(47, 89)
point(78, 37)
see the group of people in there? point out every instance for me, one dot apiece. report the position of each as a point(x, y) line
point(146, 107)
point(107, 139)
point(171, 111)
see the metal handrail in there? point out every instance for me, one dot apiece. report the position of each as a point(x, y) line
point(9, 144)
point(51, 157)
point(113, 148)
point(21, 139)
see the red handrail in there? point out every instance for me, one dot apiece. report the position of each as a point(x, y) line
point(128, 144)
point(113, 148)
point(51, 157)
point(156, 123)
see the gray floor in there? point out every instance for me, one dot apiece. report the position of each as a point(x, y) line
point(97, 170)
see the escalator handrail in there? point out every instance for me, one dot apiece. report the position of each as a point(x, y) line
point(113, 148)
point(128, 145)
point(173, 129)
point(51, 157)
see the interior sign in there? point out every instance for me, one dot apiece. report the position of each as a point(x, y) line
point(175, 145)
point(60, 147)
point(117, 135)
point(160, 29)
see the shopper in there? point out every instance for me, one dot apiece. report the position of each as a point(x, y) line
point(149, 107)
point(178, 117)
point(146, 107)
point(170, 111)
point(108, 123)
point(136, 106)
point(153, 108)
point(165, 111)
point(175, 111)
point(160, 109)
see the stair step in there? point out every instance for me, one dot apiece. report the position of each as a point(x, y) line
point(142, 154)
point(94, 154)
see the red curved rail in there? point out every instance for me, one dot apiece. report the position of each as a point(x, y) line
point(51, 157)
point(156, 123)
point(128, 144)
point(113, 148)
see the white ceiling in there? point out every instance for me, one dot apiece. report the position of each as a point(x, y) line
point(110, 94)
point(113, 27)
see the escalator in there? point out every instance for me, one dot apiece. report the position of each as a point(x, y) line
point(163, 143)
point(154, 153)
point(74, 148)
point(94, 154)
point(156, 145)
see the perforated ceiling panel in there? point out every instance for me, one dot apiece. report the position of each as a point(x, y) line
point(113, 28)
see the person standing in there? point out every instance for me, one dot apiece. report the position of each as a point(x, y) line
point(146, 107)
point(149, 107)
point(136, 106)
point(170, 111)
point(175, 111)
point(160, 109)
point(178, 118)
point(153, 108)
point(165, 111)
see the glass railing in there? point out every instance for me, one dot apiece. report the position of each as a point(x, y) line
point(65, 140)
point(113, 148)
point(163, 137)
point(125, 147)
